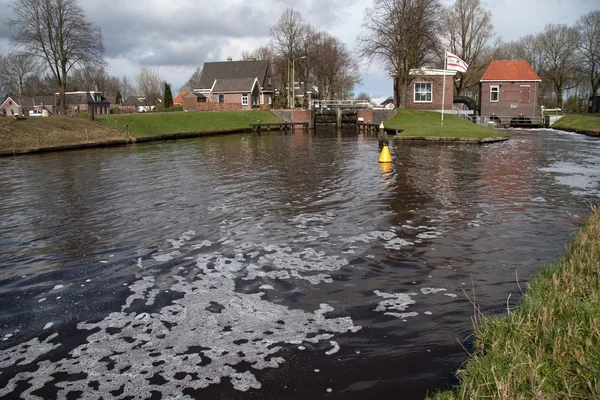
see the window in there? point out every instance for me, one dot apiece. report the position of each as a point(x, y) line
point(269, 80)
point(262, 99)
point(244, 99)
point(494, 93)
point(221, 98)
point(422, 92)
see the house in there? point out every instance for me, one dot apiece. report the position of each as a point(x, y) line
point(509, 92)
point(426, 89)
point(86, 102)
point(178, 100)
point(241, 85)
point(138, 104)
point(10, 105)
point(190, 100)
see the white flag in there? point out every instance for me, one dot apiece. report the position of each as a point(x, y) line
point(455, 63)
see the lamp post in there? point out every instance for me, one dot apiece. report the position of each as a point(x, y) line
point(294, 80)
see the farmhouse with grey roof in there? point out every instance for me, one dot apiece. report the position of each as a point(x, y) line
point(236, 84)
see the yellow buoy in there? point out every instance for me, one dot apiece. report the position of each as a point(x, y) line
point(385, 156)
point(385, 167)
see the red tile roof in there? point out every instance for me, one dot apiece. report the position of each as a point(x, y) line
point(509, 70)
point(179, 98)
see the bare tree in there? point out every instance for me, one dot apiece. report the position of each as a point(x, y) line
point(287, 43)
point(149, 86)
point(260, 53)
point(193, 82)
point(126, 88)
point(468, 30)
point(334, 69)
point(404, 35)
point(589, 47)
point(58, 32)
point(558, 45)
point(15, 69)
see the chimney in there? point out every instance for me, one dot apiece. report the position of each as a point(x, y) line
point(229, 59)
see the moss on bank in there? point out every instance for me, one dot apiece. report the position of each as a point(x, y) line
point(549, 347)
point(579, 123)
point(416, 123)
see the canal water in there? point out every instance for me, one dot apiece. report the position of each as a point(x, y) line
point(273, 266)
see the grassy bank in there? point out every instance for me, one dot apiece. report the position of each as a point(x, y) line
point(49, 132)
point(416, 123)
point(141, 125)
point(549, 347)
point(579, 123)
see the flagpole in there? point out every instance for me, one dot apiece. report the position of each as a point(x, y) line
point(444, 84)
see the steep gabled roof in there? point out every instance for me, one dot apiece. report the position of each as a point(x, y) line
point(179, 98)
point(509, 70)
point(234, 70)
point(234, 85)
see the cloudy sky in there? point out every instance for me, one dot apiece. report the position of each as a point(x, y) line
point(176, 36)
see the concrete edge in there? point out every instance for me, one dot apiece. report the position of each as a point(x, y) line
point(452, 140)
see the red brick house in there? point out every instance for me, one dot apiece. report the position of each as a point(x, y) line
point(85, 101)
point(425, 90)
point(240, 85)
point(10, 106)
point(509, 92)
point(178, 100)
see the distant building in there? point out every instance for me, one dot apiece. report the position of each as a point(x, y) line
point(509, 92)
point(242, 85)
point(10, 105)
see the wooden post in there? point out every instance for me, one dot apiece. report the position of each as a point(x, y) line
point(339, 117)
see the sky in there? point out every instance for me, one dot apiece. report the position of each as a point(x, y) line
point(174, 37)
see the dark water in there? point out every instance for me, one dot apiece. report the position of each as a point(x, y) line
point(273, 266)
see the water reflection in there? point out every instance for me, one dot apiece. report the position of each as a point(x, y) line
point(279, 264)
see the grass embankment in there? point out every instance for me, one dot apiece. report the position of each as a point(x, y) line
point(143, 125)
point(37, 132)
point(549, 347)
point(579, 123)
point(427, 124)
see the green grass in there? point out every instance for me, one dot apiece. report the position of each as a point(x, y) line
point(416, 123)
point(141, 125)
point(578, 123)
point(549, 347)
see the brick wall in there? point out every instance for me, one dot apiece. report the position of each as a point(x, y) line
point(437, 85)
point(209, 106)
point(514, 99)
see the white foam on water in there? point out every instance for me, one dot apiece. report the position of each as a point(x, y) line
point(450, 295)
point(57, 287)
point(266, 287)
point(393, 301)
point(42, 300)
point(48, 325)
point(428, 313)
point(335, 349)
point(209, 333)
point(428, 290)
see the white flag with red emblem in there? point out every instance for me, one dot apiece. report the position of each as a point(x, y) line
point(455, 63)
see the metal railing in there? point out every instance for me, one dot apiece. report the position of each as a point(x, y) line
point(324, 104)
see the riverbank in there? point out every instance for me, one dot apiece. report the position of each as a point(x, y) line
point(585, 124)
point(31, 135)
point(23, 135)
point(426, 125)
point(152, 124)
point(549, 347)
